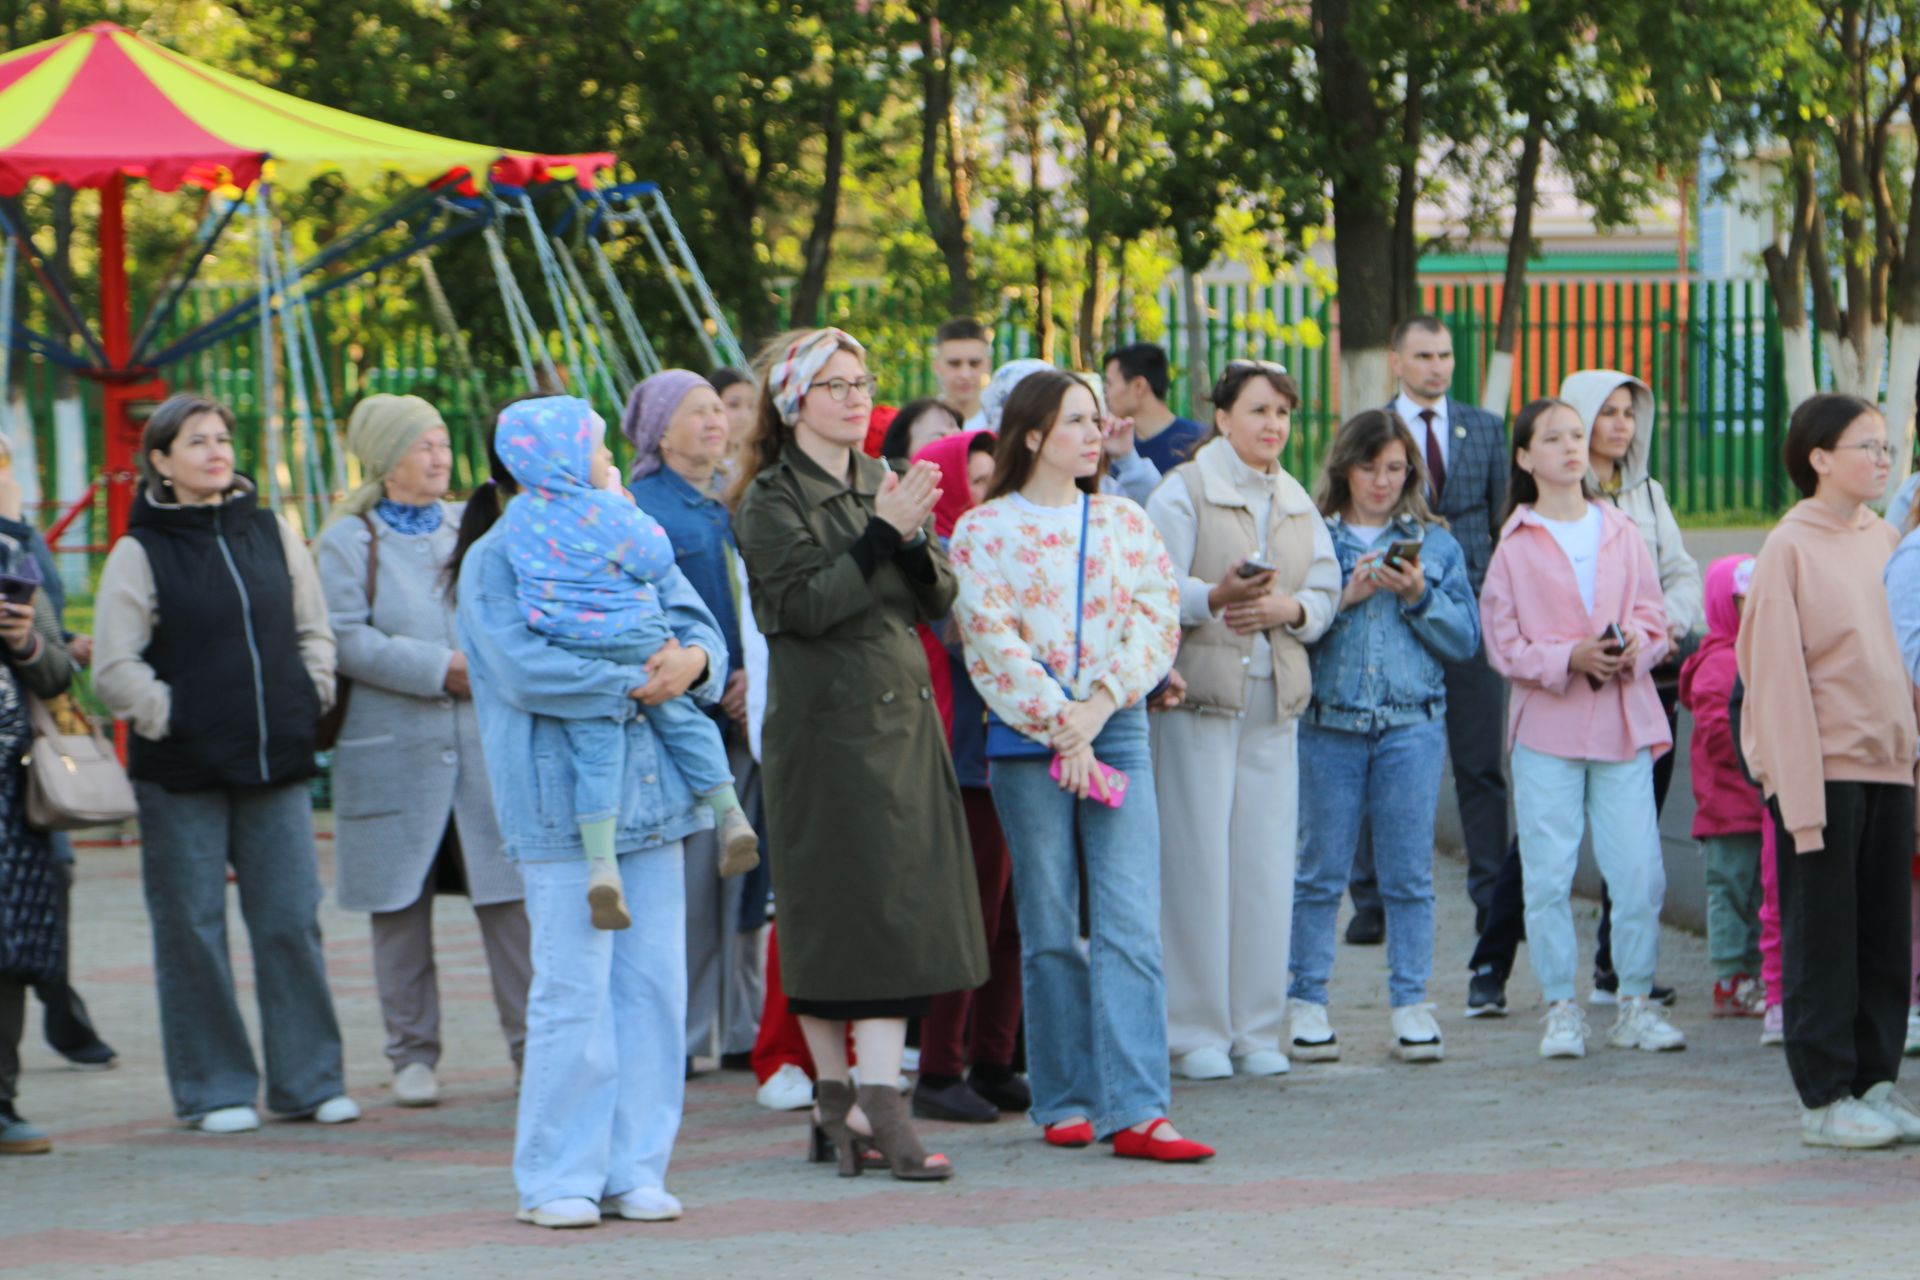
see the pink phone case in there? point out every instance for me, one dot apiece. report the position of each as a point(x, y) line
point(1115, 779)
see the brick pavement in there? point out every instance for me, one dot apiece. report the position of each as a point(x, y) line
point(1491, 1164)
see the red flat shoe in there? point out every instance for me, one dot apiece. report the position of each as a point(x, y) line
point(1143, 1146)
point(1077, 1134)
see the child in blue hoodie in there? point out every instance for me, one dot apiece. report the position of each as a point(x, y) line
point(587, 560)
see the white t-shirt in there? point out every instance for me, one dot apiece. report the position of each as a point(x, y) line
point(1580, 539)
point(1368, 534)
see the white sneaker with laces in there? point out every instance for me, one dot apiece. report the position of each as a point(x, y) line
point(1891, 1106)
point(340, 1110)
point(414, 1086)
point(229, 1120)
point(1848, 1123)
point(1313, 1038)
point(1205, 1064)
point(1566, 1035)
point(788, 1089)
point(1642, 1024)
point(1913, 1031)
point(647, 1204)
point(570, 1211)
point(1262, 1062)
point(1416, 1034)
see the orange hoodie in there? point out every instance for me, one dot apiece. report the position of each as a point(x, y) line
point(1828, 698)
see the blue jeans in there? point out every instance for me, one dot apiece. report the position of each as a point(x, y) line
point(1554, 800)
point(1391, 776)
point(687, 733)
point(606, 1033)
point(1096, 1018)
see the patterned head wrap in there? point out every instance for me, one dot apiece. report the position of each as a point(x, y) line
point(791, 375)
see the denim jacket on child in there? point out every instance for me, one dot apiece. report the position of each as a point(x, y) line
point(1379, 665)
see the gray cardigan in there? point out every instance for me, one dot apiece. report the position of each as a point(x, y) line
point(409, 753)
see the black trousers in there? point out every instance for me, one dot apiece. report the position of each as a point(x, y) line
point(1506, 922)
point(1845, 942)
point(1476, 742)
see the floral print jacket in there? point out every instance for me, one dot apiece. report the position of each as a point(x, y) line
point(1017, 569)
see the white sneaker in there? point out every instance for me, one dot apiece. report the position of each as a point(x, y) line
point(1566, 1035)
point(1642, 1024)
point(1913, 1031)
point(571, 1211)
point(1773, 1028)
point(648, 1204)
point(1848, 1123)
point(1205, 1064)
point(229, 1120)
point(788, 1089)
point(1891, 1106)
point(414, 1086)
point(1262, 1062)
point(1313, 1039)
point(340, 1110)
point(1416, 1035)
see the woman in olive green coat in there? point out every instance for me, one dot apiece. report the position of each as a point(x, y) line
point(871, 866)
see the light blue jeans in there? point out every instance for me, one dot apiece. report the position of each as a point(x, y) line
point(1096, 1017)
point(1393, 777)
point(606, 1032)
point(1553, 800)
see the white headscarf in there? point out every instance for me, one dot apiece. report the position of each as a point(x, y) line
point(993, 401)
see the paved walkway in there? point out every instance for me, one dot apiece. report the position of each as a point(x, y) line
point(1490, 1164)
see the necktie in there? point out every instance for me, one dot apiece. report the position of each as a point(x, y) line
point(1436, 465)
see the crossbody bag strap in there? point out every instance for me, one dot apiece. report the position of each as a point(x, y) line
point(1080, 592)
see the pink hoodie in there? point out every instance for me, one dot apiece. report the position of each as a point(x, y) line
point(1531, 615)
point(1725, 803)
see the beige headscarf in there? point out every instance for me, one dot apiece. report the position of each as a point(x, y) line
point(379, 433)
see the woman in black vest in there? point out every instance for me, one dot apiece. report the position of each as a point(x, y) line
point(212, 642)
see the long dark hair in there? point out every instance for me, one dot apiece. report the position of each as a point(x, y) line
point(1358, 442)
point(1521, 486)
point(1033, 406)
point(490, 499)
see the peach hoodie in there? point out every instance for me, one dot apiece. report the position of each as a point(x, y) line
point(1828, 698)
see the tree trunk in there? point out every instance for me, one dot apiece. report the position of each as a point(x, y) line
point(1362, 214)
point(818, 253)
point(944, 193)
point(1496, 389)
point(1903, 365)
point(1406, 249)
point(1092, 306)
point(1796, 342)
point(1787, 276)
point(1042, 319)
point(1198, 357)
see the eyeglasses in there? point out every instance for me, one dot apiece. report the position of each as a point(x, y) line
point(839, 388)
point(1880, 449)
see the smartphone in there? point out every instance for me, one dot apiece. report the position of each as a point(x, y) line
point(1251, 568)
point(18, 586)
point(1114, 780)
point(1407, 552)
point(1613, 643)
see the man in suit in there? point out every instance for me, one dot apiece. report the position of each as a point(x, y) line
point(1465, 449)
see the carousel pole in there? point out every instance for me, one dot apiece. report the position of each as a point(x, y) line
point(122, 433)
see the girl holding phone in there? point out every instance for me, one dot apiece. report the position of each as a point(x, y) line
point(1373, 738)
point(1575, 619)
point(1258, 583)
point(1072, 682)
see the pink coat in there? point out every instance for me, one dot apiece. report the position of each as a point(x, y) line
point(1531, 616)
point(1724, 802)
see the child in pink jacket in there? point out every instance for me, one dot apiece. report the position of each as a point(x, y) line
point(1728, 813)
point(1573, 615)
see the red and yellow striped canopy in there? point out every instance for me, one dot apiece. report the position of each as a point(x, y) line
point(103, 101)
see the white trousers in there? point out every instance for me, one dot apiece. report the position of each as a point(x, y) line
point(1229, 795)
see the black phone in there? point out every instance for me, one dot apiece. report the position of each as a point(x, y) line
point(15, 589)
point(1251, 568)
point(1403, 552)
point(1613, 643)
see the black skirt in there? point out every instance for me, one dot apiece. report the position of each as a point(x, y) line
point(859, 1010)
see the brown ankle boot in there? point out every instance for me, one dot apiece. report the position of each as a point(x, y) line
point(893, 1134)
point(831, 1138)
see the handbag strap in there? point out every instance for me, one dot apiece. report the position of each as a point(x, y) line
point(1080, 590)
point(373, 562)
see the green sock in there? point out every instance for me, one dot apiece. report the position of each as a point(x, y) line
point(721, 801)
point(598, 838)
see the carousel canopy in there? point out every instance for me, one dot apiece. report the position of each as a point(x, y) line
point(81, 108)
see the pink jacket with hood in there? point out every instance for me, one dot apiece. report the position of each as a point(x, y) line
point(1725, 803)
point(1531, 616)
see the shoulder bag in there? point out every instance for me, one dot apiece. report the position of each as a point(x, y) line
point(327, 732)
point(73, 779)
point(1004, 742)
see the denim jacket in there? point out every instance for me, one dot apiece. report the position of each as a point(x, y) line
point(524, 686)
point(1379, 665)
